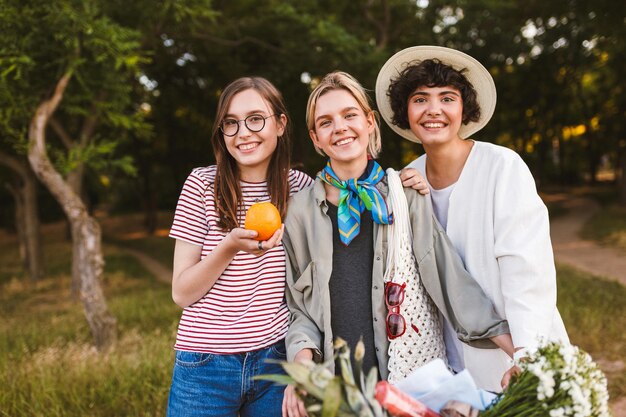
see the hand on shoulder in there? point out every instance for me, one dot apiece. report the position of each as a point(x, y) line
point(411, 178)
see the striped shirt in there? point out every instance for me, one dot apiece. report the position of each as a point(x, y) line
point(245, 309)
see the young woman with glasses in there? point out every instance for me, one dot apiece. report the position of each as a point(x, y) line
point(335, 242)
point(230, 285)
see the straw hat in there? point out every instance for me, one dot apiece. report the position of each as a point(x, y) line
point(475, 73)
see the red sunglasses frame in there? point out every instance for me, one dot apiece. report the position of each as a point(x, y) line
point(395, 309)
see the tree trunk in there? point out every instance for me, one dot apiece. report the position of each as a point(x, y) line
point(87, 252)
point(621, 179)
point(75, 181)
point(32, 229)
point(150, 219)
point(86, 234)
point(15, 190)
point(24, 190)
point(149, 204)
point(592, 157)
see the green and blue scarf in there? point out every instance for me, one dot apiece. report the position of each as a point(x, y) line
point(355, 196)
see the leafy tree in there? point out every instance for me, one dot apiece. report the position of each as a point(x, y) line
point(70, 67)
point(21, 183)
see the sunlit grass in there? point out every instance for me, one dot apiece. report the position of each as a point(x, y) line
point(72, 379)
point(48, 366)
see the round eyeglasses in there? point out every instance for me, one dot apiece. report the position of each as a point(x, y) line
point(254, 123)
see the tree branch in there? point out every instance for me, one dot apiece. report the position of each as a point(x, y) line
point(91, 121)
point(237, 42)
point(382, 25)
point(36, 133)
point(62, 133)
point(13, 163)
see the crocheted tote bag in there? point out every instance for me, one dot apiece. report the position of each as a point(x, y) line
point(422, 340)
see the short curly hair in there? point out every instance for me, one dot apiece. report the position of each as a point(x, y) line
point(430, 73)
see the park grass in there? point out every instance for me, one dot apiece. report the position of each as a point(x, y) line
point(48, 366)
point(607, 227)
point(594, 312)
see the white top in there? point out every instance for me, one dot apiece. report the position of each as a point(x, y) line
point(441, 202)
point(500, 227)
point(245, 309)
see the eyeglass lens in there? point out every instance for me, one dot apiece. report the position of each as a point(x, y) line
point(396, 326)
point(254, 123)
point(394, 294)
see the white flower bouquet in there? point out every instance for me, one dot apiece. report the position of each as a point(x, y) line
point(556, 380)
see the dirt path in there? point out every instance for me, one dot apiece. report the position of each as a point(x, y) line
point(590, 257)
point(585, 255)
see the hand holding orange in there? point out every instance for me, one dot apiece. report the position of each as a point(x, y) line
point(264, 218)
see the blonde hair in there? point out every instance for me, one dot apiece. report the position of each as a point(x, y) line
point(340, 80)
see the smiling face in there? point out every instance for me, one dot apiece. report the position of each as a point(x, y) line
point(253, 150)
point(435, 114)
point(342, 129)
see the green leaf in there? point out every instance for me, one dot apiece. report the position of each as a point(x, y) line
point(281, 379)
point(370, 383)
point(357, 401)
point(300, 373)
point(332, 398)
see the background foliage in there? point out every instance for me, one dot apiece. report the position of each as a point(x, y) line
point(151, 71)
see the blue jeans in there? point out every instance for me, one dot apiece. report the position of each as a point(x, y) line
point(214, 385)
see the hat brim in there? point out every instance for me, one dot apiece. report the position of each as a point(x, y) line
point(475, 73)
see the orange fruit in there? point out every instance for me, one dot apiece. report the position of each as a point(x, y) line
point(264, 218)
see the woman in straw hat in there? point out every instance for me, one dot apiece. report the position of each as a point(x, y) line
point(483, 195)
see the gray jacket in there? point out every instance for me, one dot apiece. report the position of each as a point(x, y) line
point(308, 242)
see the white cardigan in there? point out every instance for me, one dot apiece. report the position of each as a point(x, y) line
point(500, 227)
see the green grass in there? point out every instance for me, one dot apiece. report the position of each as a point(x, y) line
point(48, 366)
point(594, 312)
point(607, 226)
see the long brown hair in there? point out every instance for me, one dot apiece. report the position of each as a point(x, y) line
point(227, 189)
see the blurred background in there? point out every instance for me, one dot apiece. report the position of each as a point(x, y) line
point(142, 82)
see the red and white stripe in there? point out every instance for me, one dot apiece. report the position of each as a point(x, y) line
point(245, 309)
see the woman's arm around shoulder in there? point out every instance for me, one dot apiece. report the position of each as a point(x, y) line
point(298, 181)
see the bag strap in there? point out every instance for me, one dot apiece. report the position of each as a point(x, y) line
point(401, 227)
